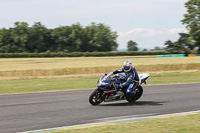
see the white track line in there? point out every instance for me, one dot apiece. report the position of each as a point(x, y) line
point(126, 119)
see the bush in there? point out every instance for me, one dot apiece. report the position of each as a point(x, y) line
point(84, 54)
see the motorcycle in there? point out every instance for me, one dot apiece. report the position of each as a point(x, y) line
point(107, 91)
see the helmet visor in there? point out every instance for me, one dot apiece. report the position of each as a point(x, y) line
point(126, 68)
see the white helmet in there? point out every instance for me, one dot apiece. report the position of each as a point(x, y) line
point(127, 66)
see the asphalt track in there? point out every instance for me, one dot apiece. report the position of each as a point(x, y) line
point(33, 111)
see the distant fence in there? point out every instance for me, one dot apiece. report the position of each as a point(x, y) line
point(171, 55)
point(177, 55)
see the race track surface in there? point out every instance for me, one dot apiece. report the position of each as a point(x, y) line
point(33, 111)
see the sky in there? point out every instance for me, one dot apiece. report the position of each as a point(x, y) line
point(147, 22)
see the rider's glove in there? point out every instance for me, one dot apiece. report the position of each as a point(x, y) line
point(108, 75)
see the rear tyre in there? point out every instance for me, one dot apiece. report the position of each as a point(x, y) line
point(139, 92)
point(132, 98)
point(96, 97)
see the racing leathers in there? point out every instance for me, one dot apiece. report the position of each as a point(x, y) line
point(132, 80)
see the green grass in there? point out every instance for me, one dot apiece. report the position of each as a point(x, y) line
point(176, 124)
point(85, 82)
point(47, 84)
point(174, 77)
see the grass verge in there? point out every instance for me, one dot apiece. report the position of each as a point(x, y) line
point(177, 124)
point(85, 82)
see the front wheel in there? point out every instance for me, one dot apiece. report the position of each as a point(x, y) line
point(96, 97)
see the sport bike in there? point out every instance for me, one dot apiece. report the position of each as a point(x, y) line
point(107, 91)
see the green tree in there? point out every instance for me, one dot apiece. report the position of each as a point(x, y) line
point(22, 38)
point(5, 41)
point(76, 37)
point(39, 38)
point(169, 45)
point(99, 37)
point(173, 46)
point(192, 20)
point(132, 46)
point(186, 42)
point(95, 37)
point(19, 37)
point(156, 48)
point(60, 36)
point(68, 38)
point(145, 49)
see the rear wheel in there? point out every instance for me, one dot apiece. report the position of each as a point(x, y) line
point(139, 92)
point(96, 97)
point(132, 98)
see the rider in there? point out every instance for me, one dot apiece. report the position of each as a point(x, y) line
point(131, 75)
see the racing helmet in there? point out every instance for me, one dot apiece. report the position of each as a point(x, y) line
point(127, 66)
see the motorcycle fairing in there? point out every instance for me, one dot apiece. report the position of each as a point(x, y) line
point(143, 77)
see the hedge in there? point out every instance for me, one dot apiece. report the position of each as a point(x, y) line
point(84, 54)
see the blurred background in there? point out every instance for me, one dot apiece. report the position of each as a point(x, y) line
point(85, 39)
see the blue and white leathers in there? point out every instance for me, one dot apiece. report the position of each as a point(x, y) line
point(130, 76)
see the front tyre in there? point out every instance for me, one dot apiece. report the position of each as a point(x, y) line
point(96, 97)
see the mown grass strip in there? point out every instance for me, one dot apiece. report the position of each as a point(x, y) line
point(39, 67)
point(93, 70)
point(85, 82)
point(177, 124)
point(19, 64)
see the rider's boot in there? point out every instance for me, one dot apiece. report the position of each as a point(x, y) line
point(135, 85)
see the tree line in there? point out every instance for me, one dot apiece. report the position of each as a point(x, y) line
point(94, 37)
point(187, 42)
point(75, 38)
point(191, 40)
